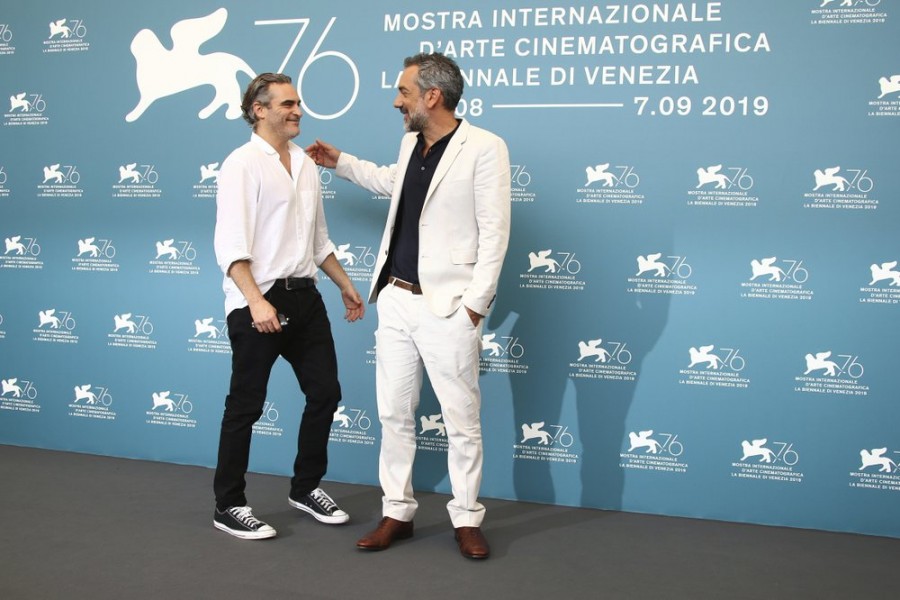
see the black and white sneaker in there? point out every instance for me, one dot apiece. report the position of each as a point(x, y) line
point(321, 506)
point(240, 522)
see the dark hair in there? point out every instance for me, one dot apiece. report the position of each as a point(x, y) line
point(441, 72)
point(258, 91)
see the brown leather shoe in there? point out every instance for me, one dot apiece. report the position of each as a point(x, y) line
point(472, 543)
point(387, 531)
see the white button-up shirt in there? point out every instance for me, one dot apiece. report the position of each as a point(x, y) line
point(270, 217)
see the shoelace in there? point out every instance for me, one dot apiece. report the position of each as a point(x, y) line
point(324, 500)
point(243, 514)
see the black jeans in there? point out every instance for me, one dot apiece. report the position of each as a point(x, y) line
point(306, 343)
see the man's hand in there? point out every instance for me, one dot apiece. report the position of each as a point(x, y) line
point(265, 317)
point(473, 316)
point(353, 302)
point(324, 155)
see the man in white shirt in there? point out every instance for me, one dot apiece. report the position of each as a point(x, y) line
point(270, 239)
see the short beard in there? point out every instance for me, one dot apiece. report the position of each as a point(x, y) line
point(417, 122)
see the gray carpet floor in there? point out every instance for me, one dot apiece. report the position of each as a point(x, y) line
point(80, 526)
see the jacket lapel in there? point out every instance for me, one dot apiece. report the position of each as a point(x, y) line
point(450, 153)
point(406, 147)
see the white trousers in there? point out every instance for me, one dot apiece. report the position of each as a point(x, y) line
point(410, 336)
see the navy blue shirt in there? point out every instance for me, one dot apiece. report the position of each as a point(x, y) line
point(404, 259)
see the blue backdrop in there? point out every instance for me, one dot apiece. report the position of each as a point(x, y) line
point(701, 294)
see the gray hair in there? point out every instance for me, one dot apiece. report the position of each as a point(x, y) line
point(258, 91)
point(438, 71)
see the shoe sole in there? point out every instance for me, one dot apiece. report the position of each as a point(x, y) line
point(320, 518)
point(245, 535)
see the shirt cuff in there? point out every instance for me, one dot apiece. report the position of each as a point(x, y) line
point(225, 262)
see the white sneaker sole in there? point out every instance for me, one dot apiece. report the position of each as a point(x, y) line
point(333, 520)
point(246, 535)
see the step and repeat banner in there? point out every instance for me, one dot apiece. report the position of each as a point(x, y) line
point(700, 301)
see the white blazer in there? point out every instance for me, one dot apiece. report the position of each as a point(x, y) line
point(464, 226)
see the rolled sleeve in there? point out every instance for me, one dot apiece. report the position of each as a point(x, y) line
point(235, 214)
point(322, 244)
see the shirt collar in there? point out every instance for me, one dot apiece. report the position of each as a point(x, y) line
point(263, 144)
point(443, 140)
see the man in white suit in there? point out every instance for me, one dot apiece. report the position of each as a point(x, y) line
point(435, 280)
